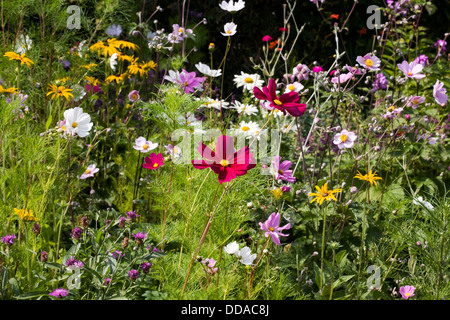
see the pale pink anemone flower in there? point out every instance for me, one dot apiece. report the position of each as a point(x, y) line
point(141, 144)
point(345, 139)
point(342, 78)
point(89, 172)
point(407, 291)
point(414, 101)
point(369, 62)
point(440, 93)
point(272, 227)
point(411, 70)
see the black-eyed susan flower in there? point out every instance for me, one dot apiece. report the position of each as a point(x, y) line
point(21, 58)
point(118, 79)
point(25, 215)
point(59, 91)
point(141, 69)
point(324, 194)
point(109, 47)
point(371, 177)
point(8, 90)
point(89, 66)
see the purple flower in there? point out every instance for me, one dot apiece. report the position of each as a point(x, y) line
point(89, 172)
point(285, 188)
point(134, 96)
point(36, 228)
point(422, 59)
point(73, 262)
point(317, 69)
point(411, 70)
point(139, 237)
point(117, 254)
point(414, 101)
point(281, 170)
point(44, 256)
point(114, 30)
point(77, 233)
point(439, 93)
point(441, 45)
point(370, 62)
point(301, 71)
point(59, 293)
point(133, 274)
point(380, 82)
point(65, 63)
point(407, 291)
point(131, 215)
point(122, 221)
point(8, 240)
point(210, 263)
point(107, 281)
point(272, 228)
point(146, 267)
point(189, 81)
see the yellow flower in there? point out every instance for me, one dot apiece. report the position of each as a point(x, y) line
point(8, 90)
point(371, 177)
point(62, 80)
point(21, 58)
point(112, 78)
point(324, 194)
point(141, 68)
point(89, 66)
point(25, 215)
point(112, 46)
point(123, 57)
point(92, 81)
point(277, 193)
point(60, 91)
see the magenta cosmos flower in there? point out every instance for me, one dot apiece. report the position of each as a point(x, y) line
point(281, 170)
point(89, 172)
point(345, 139)
point(272, 227)
point(369, 62)
point(287, 102)
point(267, 38)
point(407, 291)
point(189, 81)
point(154, 161)
point(411, 70)
point(439, 93)
point(59, 293)
point(225, 160)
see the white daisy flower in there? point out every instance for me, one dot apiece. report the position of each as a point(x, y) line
point(113, 61)
point(212, 103)
point(206, 70)
point(296, 87)
point(250, 128)
point(230, 29)
point(247, 109)
point(141, 144)
point(248, 81)
point(230, 6)
point(77, 122)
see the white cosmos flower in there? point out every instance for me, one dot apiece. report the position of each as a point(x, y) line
point(247, 109)
point(230, 29)
point(173, 76)
point(113, 61)
point(230, 6)
point(232, 248)
point(248, 81)
point(246, 256)
point(212, 103)
point(203, 68)
point(23, 44)
point(143, 145)
point(77, 122)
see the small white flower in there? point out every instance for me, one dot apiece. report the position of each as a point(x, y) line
point(141, 144)
point(345, 139)
point(90, 170)
point(230, 29)
point(246, 256)
point(23, 44)
point(248, 81)
point(296, 87)
point(230, 6)
point(232, 248)
point(250, 128)
point(113, 61)
point(77, 122)
point(212, 103)
point(246, 109)
point(206, 70)
point(420, 202)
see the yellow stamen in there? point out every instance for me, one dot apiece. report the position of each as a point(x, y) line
point(271, 229)
point(369, 62)
point(155, 165)
point(277, 102)
point(74, 125)
point(87, 171)
point(145, 146)
point(291, 87)
point(343, 137)
point(248, 80)
point(280, 171)
point(224, 163)
point(245, 128)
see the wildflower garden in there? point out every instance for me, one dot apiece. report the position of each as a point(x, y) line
point(224, 150)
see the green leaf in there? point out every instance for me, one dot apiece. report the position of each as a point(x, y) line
point(31, 294)
point(49, 122)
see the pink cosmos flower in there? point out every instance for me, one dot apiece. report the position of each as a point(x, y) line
point(411, 70)
point(225, 161)
point(414, 101)
point(287, 102)
point(143, 145)
point(345, 139)
point(267, 38)
point(272, 228)
point(210, 263)
point(370, 62)
point(407, 291)
point(154, 161)
point(189, 81)
point(439, 93)
point(281, 170)
point(90, 170)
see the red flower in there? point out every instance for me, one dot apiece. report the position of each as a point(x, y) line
point(286, 102)
point(273, 44)
point(282, 29)
point(334, 16)
point(154, 161)
point(225, 161)
point(267, 38)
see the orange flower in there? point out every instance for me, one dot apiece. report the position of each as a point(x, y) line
point(362, 31)
point(273, 44)
point(334, 16)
